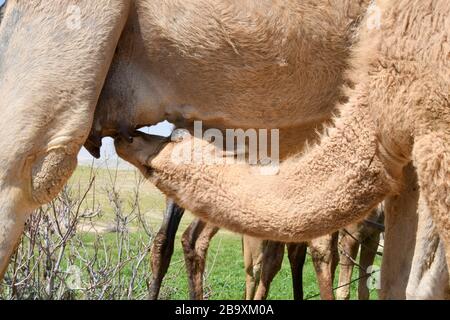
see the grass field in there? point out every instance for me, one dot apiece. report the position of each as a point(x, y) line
point(116, 264)
point(225, 277)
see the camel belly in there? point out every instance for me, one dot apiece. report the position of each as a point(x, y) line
point(244, 63)
point(230, 64)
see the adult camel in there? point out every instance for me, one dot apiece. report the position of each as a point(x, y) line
point(397, 113)
point(42, 160)
point(188, 103)
point(169, 78)
point(49, 92)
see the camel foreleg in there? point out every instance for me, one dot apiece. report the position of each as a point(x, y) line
point(368, 253)
point(163, 245)
point(432, 160)
point(48, 102)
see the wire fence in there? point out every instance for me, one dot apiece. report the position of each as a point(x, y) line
point(362, 244)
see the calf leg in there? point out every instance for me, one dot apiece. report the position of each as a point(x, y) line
point(163, 245)
point(399, 238)
point(348, 252)
point(195, 241)
point(297, 256)
point(271, 263)
point(368, 253)
point(325, 258)
point(253, 250)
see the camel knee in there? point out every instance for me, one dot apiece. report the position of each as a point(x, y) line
point(160, 256)
point(159, 243)
point(33, 182)
point(192, 258)
point(49, 174)
point(203, 242)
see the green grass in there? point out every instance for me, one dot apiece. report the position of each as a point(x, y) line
point(225, 268)
point(225, 272)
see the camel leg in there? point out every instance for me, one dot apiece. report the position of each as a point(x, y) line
point(325, 258)
point(10, 232)
point(252, 250)
point(163, 246)
point(271, 263)
point(297, 256)
point(432, 160)
point(348, 252)
point(399, 238)
point(195, 241)
point(368, 253)
point(49, 89)
point(429, 275)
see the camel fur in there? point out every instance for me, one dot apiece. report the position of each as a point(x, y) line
point(166, 66)
point(51, 76)
point(398, 112)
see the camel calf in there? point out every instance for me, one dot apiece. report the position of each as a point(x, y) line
point(187, 61)
point(231, 64)
point(397, 113)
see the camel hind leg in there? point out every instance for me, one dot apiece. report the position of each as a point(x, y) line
point(271, 264)
point(432, 160)
point(195, 241)
point(429, 277)
point(252, 250)
point(325, 257)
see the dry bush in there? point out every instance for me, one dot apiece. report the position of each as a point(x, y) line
point(54, 261)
